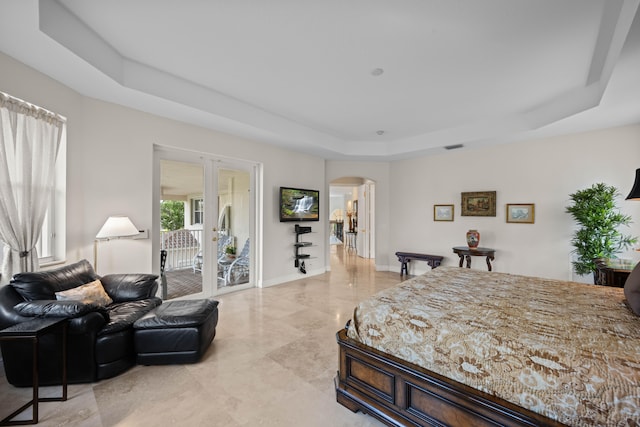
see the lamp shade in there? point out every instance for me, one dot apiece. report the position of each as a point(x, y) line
point(117, 226)
point(635, 191)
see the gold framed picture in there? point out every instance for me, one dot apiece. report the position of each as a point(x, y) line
point(521, 213)
point(479, 203)
point(443, 212)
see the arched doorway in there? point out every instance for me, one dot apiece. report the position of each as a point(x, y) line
point(352, 215)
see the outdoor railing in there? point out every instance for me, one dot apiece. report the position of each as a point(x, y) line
point(182, 246)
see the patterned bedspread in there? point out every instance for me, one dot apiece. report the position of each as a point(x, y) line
point(565, 350)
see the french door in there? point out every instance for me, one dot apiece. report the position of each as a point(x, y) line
point(232, 226)
point(212, 250)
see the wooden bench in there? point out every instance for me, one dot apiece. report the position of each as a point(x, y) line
point(405, 257)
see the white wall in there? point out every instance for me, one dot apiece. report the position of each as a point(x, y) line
point(110, 171)
point(543, 172)
point(110, 164)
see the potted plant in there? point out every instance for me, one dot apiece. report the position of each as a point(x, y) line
point(595, 211)
point(230, 250)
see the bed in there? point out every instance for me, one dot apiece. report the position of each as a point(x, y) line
point(464, 347)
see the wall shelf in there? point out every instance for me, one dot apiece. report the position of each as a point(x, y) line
point(298, 245)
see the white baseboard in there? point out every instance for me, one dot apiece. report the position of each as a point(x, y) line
point(291, 277)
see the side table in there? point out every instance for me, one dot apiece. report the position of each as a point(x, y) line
point(465, 253)
point(350, 237)
point(612, 272)
point(32, 331)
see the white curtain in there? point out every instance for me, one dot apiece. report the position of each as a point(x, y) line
point(29, 140)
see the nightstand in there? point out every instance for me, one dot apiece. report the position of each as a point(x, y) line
point(612, 272)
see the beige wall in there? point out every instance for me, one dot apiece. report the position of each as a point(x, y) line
point(543, 172)
point(110, 171)
point(110, 162)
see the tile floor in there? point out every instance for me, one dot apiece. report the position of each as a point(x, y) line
point(272, 363)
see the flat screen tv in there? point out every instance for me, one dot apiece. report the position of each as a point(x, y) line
point(297, 204)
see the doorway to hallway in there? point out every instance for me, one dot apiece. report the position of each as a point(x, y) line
point(352, 216)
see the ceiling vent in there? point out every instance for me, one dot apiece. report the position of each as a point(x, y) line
point(453, 147)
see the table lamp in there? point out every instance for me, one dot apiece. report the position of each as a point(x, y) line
point(114, 227)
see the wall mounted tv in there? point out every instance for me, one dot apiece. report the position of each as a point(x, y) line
point(297, 204)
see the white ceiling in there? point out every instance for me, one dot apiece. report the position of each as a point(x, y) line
point(299, 73)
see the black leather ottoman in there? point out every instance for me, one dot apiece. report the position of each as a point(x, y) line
point(176, 332)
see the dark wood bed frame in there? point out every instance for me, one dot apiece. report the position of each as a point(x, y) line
point(399, 393)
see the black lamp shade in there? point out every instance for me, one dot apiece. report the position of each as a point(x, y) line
point(635, 191)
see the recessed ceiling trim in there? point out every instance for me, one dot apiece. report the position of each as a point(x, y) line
point(60, 24)
point(617, 18)
point(64, 27)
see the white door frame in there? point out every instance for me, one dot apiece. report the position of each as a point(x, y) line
point(365, 242)
point(210, 163)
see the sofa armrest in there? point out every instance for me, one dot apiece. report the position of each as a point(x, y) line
point(55, 308)
point(130, 287)
point(8, 299)
point(89, 324)
point(83, 318)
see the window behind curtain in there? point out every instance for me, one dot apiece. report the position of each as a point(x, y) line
point(52, 245)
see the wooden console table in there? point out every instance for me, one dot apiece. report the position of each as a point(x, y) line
point(465, 253)
point(612, 272)
point(405, 257)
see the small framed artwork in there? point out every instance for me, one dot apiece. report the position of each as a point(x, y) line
point(443, 212)
point(479, 203)
point(521, 212)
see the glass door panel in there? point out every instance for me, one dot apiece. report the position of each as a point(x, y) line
point(182, 234)
point(234, 221)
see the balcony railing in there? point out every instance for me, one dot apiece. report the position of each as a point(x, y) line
point(182, 246)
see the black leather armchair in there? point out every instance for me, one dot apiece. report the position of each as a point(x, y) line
point(100, 339)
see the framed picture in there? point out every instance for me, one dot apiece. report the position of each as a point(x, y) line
point(519, 212)
point(443, 212)
point(479, 203)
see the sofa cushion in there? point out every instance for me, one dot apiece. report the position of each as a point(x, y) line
point(49, 308)
point(123, 315)
point(90, 293)
point(43, 285)
point(130, 287)
point(178, 314)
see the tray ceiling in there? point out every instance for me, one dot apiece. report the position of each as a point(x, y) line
point(359, 79)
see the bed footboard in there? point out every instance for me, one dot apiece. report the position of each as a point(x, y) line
point(402, 394)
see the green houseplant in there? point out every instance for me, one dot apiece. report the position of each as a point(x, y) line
point(595, 211)
point(230, 250)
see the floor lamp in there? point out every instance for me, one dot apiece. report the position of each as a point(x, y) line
point(635, 191)
point(114, 227)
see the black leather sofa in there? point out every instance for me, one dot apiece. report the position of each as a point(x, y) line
point(100, 339)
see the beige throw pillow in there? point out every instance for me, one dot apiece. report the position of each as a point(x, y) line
point(632, 289)
point(91, 293)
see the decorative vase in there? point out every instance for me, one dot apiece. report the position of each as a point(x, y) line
point(473, 238)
